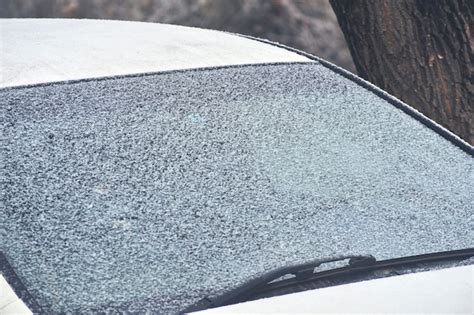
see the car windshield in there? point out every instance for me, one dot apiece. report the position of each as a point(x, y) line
point(149, 192)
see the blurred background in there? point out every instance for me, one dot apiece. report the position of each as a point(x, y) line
point(309, 25)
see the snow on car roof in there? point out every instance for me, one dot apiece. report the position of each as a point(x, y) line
point(149, 192)
point(47, 50)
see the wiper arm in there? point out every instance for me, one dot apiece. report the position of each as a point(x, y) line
point(306, 272)
point(300, 272)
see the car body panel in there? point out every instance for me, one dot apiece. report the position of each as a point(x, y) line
point(446, 291)
point(50, 50)
point(347, 164)
point(10, 303)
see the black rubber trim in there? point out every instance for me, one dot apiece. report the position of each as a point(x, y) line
point(8, 271)
point(252, 289)
point(17, 285)
point(442, 131)
point(154, 73)
point(375, 265)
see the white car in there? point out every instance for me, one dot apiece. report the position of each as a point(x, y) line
point(151, 168)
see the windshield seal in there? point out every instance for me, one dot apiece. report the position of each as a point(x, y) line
point(269, 150)
point(406, 108)
point(265, 284)
point(17, 285)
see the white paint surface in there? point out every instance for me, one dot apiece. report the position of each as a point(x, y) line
point(48, 50)
point(447, 291)
point(9, 301)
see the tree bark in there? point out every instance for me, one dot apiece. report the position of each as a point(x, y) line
point(419, 51)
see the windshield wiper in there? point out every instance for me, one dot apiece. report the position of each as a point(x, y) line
point(302, 273)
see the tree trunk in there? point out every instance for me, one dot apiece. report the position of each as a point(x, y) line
point(419, 51)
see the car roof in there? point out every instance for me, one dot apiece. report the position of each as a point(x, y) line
point(49, 50)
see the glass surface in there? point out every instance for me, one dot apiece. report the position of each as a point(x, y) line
point(150, 192)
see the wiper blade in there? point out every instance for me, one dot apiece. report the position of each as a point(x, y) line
point(306, 272)
point(300, 272)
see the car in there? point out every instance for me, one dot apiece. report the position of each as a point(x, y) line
point(153, 168)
